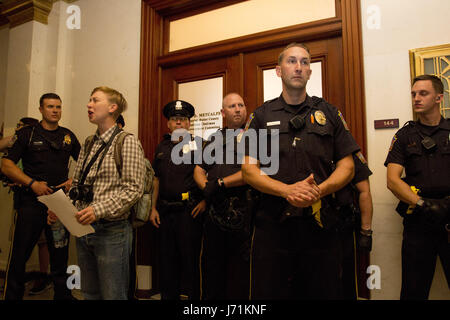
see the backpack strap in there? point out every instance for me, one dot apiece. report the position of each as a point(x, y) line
point(88, 144)
point(118, 146)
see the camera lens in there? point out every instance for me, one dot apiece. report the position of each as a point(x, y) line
point(74, 193)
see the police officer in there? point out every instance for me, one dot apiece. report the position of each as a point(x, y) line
point(355, 211)
point(45, 150)
point(178, 204)
point(422, 149)
point(226, 240)
point(295, 246)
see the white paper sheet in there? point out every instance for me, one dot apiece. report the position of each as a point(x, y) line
point(61, 205)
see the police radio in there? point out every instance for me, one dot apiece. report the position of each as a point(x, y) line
point(297, 122)
point(427, 142)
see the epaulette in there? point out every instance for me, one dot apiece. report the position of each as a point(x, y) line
point(271, 100)
point(410, 122)
point(316, 100)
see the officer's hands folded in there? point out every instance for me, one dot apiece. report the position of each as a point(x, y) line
point(303, 193)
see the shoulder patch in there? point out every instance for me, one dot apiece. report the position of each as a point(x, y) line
point(343, 120)
point(361, 157)
point(393, 142)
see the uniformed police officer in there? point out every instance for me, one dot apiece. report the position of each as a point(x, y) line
point(226, 240)
point(177, 205)
point(294, 241)
point(45, 150)
point(355, 211)
point(422, 149)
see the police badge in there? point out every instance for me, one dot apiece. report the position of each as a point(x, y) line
point(67, 139)
point(320, 117)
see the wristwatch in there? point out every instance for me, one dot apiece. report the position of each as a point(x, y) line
point(221, 182)
point(366, 232)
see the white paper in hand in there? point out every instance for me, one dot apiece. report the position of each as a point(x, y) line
point(60, 204)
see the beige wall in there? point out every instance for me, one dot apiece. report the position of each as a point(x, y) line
point(4, 36)
point(403, 25)
point(245, 18)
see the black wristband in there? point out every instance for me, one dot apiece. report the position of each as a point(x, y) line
point(367, 233)
point(31, 182)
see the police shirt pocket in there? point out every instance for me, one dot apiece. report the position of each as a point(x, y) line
point(277, 128)
point(320, 130)
point(320, 140)
point(444, 145)
point(414, 155)
point(39, 146)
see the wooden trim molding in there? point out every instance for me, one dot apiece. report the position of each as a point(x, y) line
point(353, 71)
point(307, 31)
point(17, 12)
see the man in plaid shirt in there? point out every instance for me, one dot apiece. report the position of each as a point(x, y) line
point(104, 197)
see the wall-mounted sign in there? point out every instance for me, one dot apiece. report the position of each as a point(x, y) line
point(388, 123)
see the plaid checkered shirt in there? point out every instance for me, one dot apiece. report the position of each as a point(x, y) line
point(114, 195)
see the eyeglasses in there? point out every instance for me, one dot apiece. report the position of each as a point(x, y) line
point(178, 118)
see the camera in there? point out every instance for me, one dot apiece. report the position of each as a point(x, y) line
point(83, 192)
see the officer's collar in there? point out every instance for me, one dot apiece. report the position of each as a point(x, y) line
point(40, 127)
point(307, 103)
point(443, 123)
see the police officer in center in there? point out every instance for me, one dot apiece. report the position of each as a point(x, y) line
point(226, 240)
point(295, 246)
point(177, 205)
point(422, 149)
point(45, 150)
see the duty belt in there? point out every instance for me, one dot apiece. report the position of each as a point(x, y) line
point(172, 204)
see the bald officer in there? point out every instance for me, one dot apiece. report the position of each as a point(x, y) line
point(177, 205)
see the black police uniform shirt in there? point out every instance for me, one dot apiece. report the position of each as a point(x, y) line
point(230, 161)
point(323, 140)
point(175, 179)
point(427, 170)
point(45, 153)
point(346, 195)
point(362, 171)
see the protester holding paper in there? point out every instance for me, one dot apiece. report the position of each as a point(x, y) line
point(45, 150)
point(104, 197)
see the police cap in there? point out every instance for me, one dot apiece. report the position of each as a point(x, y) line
point(178, 108)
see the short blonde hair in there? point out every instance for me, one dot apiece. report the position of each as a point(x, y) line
point(115, 97)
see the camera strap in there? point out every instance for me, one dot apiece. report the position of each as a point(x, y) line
point(94, 158)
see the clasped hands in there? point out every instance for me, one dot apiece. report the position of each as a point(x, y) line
point(303, 193)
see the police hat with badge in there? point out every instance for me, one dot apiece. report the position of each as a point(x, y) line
point(178, 108)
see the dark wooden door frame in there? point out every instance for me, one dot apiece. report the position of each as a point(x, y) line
point(156, 15)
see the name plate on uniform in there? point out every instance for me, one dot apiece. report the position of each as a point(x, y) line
point(388, 123)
